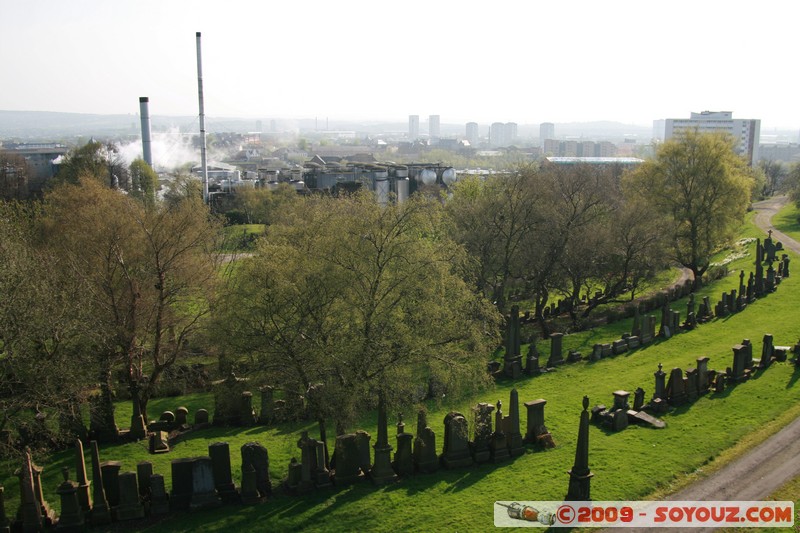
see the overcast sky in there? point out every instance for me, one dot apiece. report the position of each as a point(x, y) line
point(528, 61)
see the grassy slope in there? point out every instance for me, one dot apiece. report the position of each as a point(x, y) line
point(628, 465)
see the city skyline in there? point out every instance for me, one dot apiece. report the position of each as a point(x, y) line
point(512, 62)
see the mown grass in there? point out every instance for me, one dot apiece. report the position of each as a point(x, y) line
point(787, 220)
point(632, 464)
point(240, 237)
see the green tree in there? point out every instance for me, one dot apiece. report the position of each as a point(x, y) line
point(15, 174)
point(144, 181)
point(363, 299)
point(94, 160)
point(701, 188)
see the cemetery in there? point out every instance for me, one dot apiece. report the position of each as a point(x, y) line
point(238, 458)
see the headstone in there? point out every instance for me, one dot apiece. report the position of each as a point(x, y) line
point(247, 415)
point(767, 351)
point(580, 475)
point(159, 442)
point(621, 400)
point(719, 383)
point(597, 352)
point(455, 453)
point(619, 346)
point(48, 514)
point(220, 455)
point(692, 384)
point(168, 417)
point(130, 505)
point(30, 512)
point(676, 389)
point(606, 349)
point(308, 462)
point(403, 462)
point(267, 405)
point(348, 462)
point(84, 496)
point(250, 494)
point(785, 266)
point(256, 455)
point(159, 499)
point(201, 419)
point(748, 359)
point(182, 484)
point(101, 512)
point(138, 429)
point(204, 494)
point(739, 372)
point(483, 432)
point(295, 476)
point(322, 477)
point(633, 342)
point(181, 416)
point(362, 442)
point(638, 399)
point(71, 517)
point(556, 356)
point(228, 400)
point(660, 387)
point(535, 421)
point(513, 435)
point(110, 471)
point(144, 469)
point(425, 457)
point(499, 442)
point(703, 382)
point(636, 327)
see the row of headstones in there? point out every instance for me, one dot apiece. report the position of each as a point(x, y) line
point(114, 496)
point(233, 404)
point(680, 389)
point(512, 360)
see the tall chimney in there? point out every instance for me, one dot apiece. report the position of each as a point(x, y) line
point(203, 161)
point(144, 112)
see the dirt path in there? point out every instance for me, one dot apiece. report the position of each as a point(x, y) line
point(763, 470)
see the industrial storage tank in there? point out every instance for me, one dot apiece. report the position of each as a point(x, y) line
point(297, 185)
point(382, 190)
point(427, 176)
point(401, 189)
point(448, 176)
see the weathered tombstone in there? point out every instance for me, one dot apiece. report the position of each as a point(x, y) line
point(767, 351)
point(499, 442)
point(181, 416)
point(580, 475)
point(556, 355)
point(703, 383)
point(247, 416)
point(532, 360)
point(425, 458)
point(511, 426)
point(739, 372)
point(638, 399)
point(138, 429)
point(719, 383)
point(250, 494)
point(294, 476)
point(483, 432)
point(256, 455)
point(748, 354)
point(348, 462)
point(159, 442)
point(535, 421)
point(785, 266)
point(168, 417)
point(182, 484)
point(692, 384)
point(751, 289)
point(403, 462)
point(220, 455)
point(619, 346)
point(110, 471)
point(201, 418)
point(606, 350)
point(159, 499)
point(144, 469)
point(71, 517)
point(130, 506)
point(30, 512)
point(455, 453)
point(676, 389)
point(660, 388)
point(362, 443)
point(102, 424)
point(204, 494)
point(101, 512)
point(636, 327)
point(633, 342)
point(769, 283)
point(322, 477)
point(308, 465)
point(597, 352)
point(84, 496)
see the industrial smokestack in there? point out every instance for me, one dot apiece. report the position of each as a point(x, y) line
point(144, 112)
point(203, 161)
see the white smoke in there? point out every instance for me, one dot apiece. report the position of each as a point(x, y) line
point(171, 150)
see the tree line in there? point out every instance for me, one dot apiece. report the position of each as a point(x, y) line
point(343, 301)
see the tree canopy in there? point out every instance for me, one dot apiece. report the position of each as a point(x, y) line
point(700, 188)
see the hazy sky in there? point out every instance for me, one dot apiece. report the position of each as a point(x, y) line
point(527, 61)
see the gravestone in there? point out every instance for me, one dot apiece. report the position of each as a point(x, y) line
point(265, 417)
point(660, 387)
point(619, 346)
point(676, 388)
point(130, 506)
point(322, 477)
point(535, 422)
point(29, 513)
point(347, 460)
point(250, 494)
point(83, 483)
point(144, 469)
point(786, 260)
point(228, 400)
point(633, 342)
point(597, 352)
point(253, 453)
point(719, 383)
point(220, 455)
point(159, 499)
point(308, 462)
point(703, 383)
point(636, 327)
point(556, 356)
point(201, 419)
point(455, 453)
point(71, 517)
point(499, 442)
point(692, 384)
point(483, 432)
point(511, 426)
point(767, 351)
point(181, 417)
point(748, 360)
point(110, 471)
point(182, 484)
point(740, 371)
point(425, 458)
point(606, 350)
point(382, 472)
point(580, 475)
point(159, 442)
point(247, 415)
point(638, 399)
point(362, 442)
point(204, 494)
point(101, 511)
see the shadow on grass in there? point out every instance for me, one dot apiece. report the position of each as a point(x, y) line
point(795, 376)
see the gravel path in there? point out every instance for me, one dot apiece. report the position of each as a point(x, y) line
point(765, 468)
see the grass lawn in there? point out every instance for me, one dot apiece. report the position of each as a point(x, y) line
point(633, 464)
point(788, 221)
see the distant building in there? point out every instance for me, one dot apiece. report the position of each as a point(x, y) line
point(502, 134)
point(433, 127)
point(746, 132)
point(658, 129)
point(472, 133)
point(547, 130)
point(43, 159)
point(510, 132)
point(413, 127)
